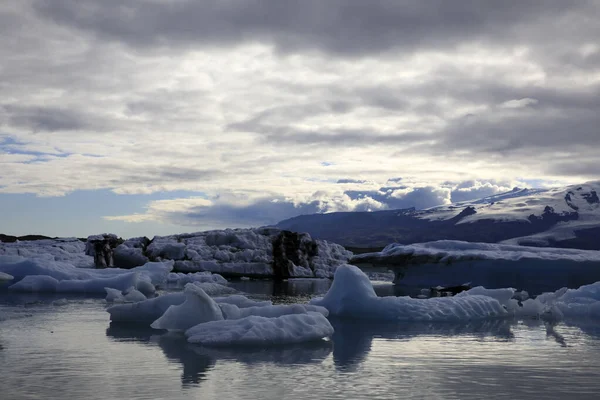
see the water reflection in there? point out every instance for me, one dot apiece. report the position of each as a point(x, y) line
point(197, 360)
point(353, 338)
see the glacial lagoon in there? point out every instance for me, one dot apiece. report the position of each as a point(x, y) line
point(65, 347)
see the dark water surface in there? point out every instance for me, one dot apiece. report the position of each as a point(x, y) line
point(55, 349)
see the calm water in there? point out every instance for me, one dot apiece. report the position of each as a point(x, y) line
point(69, 350)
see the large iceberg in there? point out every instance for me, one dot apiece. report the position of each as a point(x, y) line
point(68, 250)
point(450, 263)
point(352, 295)
point(263, 252)
point(260, 331)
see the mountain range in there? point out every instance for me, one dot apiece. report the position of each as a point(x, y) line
point(558, 217)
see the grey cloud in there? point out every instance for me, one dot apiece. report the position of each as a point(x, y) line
point(337, 26)
point(45, 119)
point(350, 180)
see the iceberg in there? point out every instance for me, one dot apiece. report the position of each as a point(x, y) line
point(45, 283)
point(197, 308)
point(45, 275)
point(145, 311)
point(131, 295)
point(5, 277)
point(231, 311)
point(150, 310)
point(261, 331)
point(352, 295)
point(451, 263)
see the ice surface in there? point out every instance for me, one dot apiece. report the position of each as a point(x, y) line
point(262, 331)
point(40, 274)
point(5, 277)
point(131, 295)
point(214, 289)
point(242, 301)
point(145, 311)
point(242, 252)
point(352, 295)
point(197, 308)
point(451, 263)
point(69, 250)
point(448, 251)
point(181, 279)
point(231, 311)
point(150, 310)
point(45, 283)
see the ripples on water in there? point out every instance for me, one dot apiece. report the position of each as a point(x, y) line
point(53, 350)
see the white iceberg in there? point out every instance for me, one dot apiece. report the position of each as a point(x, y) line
point(5, 277)
point(130, 295)
point(180, 278)
point(262, 331)
point(150, 310)
point(352, 295)
point(231, 311)
point(41, 275)
point(197, 308)
point(45, 283)
point(451, 263)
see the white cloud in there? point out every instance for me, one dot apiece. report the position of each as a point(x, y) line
point(89, 105)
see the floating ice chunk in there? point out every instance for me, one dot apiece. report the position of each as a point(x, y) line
point(5, 277)
point(504, 296)
point(261, 331)
point(44, 283)
point(242, 301)
point(231, 311)
point(148, 276)
point(150, 310)
point(114, 295)
point(181, 278)
point(213, 289)
point(145, 311)
point(352, 295)
point(197, 308)
point(131, 295)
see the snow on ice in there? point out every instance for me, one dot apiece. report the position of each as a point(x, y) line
point(261, 331)
point(451, 263)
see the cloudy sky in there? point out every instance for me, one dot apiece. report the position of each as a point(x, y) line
point(160, 116)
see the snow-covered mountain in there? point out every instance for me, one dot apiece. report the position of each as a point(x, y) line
point(559, 217)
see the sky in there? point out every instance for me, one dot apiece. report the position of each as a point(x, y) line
point(152, 117)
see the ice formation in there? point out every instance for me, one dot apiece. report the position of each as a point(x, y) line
point(197, 308)
point(150, 310)
point(39, 274)
point(252, 252)
point(130, 295)
point(68, 250)
point(5, 277)
point(231, 311)
point(262, 252)
point(450, 263)
point(255, 330)
point(352, 295)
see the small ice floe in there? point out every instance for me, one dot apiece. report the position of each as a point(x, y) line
point(130, 295)
point(260, 331)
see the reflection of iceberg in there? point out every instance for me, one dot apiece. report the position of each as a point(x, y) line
point(194, 365)
point(352, 339)
point(197, 360)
